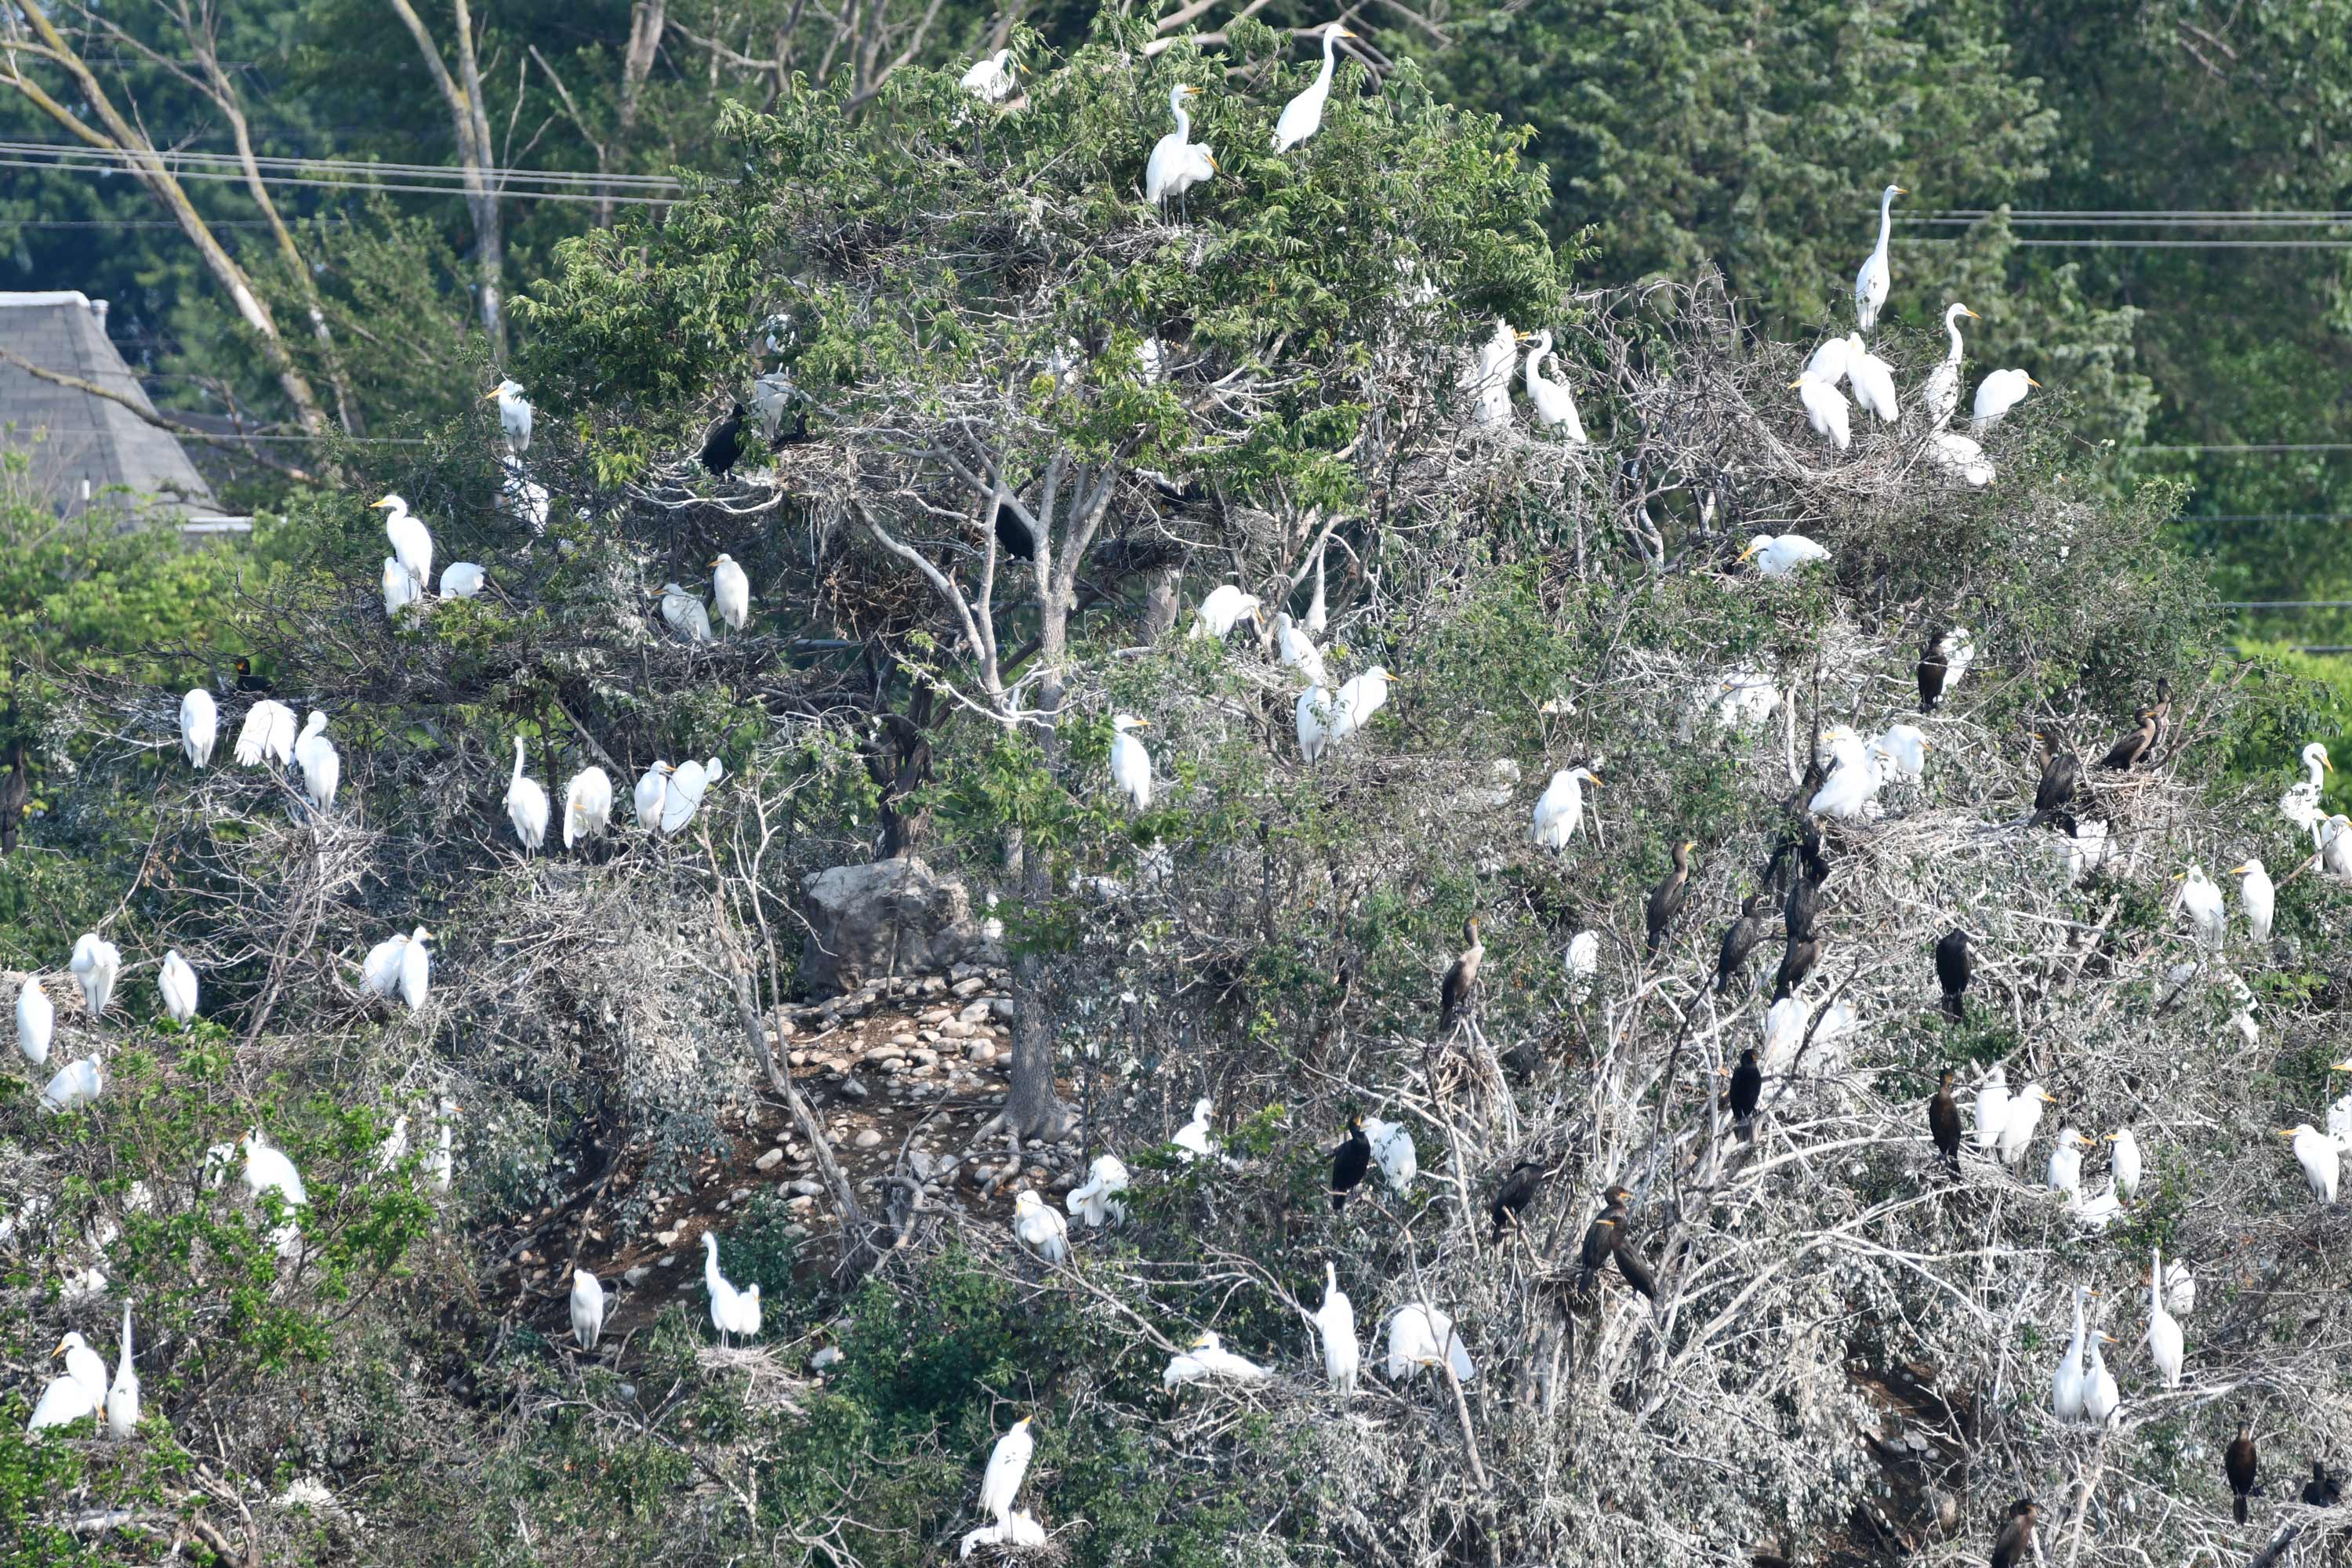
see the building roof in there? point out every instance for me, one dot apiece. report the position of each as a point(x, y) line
point(83, 446)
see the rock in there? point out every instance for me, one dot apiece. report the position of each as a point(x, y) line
point(867, 1139)
point(666, 1239)
point(769, 1161)
point(934, 984)
point(924, 1058)
point(636, 1276)
point(798, 1059)
point(895, 917)
point(808, 1188)
point(667, 1260)
point(881, 1054)
point(956, 1030)
point(974, 1011)
point(738, 1195)
point(980, 1051)
point(851, 1088)
point(1002, 1006)
point(958, 973)
point(902, 1041)
point(801, 1204)
point(968, 987)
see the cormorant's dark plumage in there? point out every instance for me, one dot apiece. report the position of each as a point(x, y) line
point(1944, 1121)
point(2062, 773)
point(2014, 1546)
point(724, 444)
point(15, 794)
point(1739, 940)
point(1747, 1093)
point(1797, 960)
point(2238, 1462)
point(2323, 1490)
point(1666, 901)
point(1349, 1163)
point(1462, 976)
point(1013, 536)
point(2128, 751)
point(1634, 1266)
point(1933, 665)
point(1517, 1190)
point(248, 681)
point(1953, 967)
point(1600, 1239)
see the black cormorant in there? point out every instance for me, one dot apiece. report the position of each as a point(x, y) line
point(2013, 1547)
point(1349, 1163)
point(1804, 905)
point(1461, 978)
point(16, 796)
point(1634, 1266)
point(2238, 1463)
point(1953, 967)
point(2061, 771)
point(1666, 899)
point(1747, 1093)
point(2128, 751)
point(1517, 1190)
point(2323, 1490)
point(1600, 1239)
point(1935, 662)
point(1013, 536)
point(248, 681)
point(1739, 940)
point(724, 444)
point(1797, 960)
point(1944, 1121)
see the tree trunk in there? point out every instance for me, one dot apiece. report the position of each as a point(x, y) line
point(471, 122)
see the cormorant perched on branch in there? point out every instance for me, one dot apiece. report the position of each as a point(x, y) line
point(248, 681)
point(2128, 751)
point(723, 445)
point(15, 794)
point(1666, 901)
point(1600, 1239)
point(2013, 1547)
point(1517, 1190)
point(1803, 952)
point(2062, 771)
point(2323, 1490)
point(1942, 651)
point(1739, 940)
point(1746, 1092)
point(1349, 1161)
point(2238, 1462)
point(1459, 980)
point(1944, 1121)
point(1013, 536)
point(1953, 967)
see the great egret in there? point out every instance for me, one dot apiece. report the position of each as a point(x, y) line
point(1039, 1228)
point(1008, 1466)
point(1996, 394)
point(2164, 1343)
point(1177, 162)
point(2066, 1162)
point(1582, 961)
point(2259, 897)
point(1870, 284)
point(2316, 1151)
point(36, 1021)
point(1739, 701)
point(1854, 782)
point(199, 726)
point(1335, 1325)
point(1560, 811)
point(1904, 746)
point(1315, 718)
point(385, 972)
point(524, 499)
point(1303, 116)
point(514, 415)
point(1873, 380)
point(1225, 606)
point(1826, 409)
point(462, 579)
point(412, 542)
point(730, 592)
point(390, 1152)
point(587, 806)
point(2086, 848)
point(1318, 610)
point(400, 589)
point(685, 613)
point(1419, 1337)
point(526, 804)
point(321, 764)
point(79, 1394)
point(122, 1397)
point(1020, 1528)
point(1942, 662)
point(1487, 378)
point(728, 1310)
point(653, 784)
point(1098, 1202)
point(176, 982)
point(1784, 1033)
point(1555, 403)
point(97, 963)
point(2124, 1160)
point(1941, 393)
point(1207, 1359)
point(683, 787)
point(2335, 837)
point(989, 78)
point(587, 1310)
point(2066, 1387)
point(1779, 556)
point(1191, 1140)
point(2102, 1402)
point(268, 1170)
point(1393, 1151)
point(267, 732)
point(2019, 1122)
point(2200, 902)
point(1961, 457)
point(2300, 805)
point(1298, 651)
point(1130, 764)
point(1359, 697)
point(440, 1162)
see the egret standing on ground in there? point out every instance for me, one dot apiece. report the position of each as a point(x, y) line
point(1870, 285)
point(587, 1309)
point(1177, 162)
point(1130, 764)
point(1303, 116)
point(726, 1300)
point(1940, 395)
point(514, 415)
point(526, 806)
point(199, 726)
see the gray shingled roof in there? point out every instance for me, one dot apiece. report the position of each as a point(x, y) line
point(82, 445)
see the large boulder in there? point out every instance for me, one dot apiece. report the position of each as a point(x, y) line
point(886, 918)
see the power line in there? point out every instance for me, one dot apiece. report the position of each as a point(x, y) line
point(2127, 215)
point(2284, 604)
point(177, 158)
point(2257, 447)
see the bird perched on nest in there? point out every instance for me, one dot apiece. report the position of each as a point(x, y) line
point(1349, 1161)
point(1512, 1198)
point(1666, 899)
point(1460, 979)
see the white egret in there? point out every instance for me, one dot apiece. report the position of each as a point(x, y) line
point(2018, 1123)
point(267, 732)
point(1315, 719)
point(1905, 747)
point(2067, 1162)
point(685, 613)
point(268, 1170)
point(384, 970)
point(1177, 162)
point(1996, 394)
point(2259, 897)
point(726, 1300)
point(1582, 961)
point(2099, 1210)
point(97, 963)
point(1303, 116)
point(1096, 1202)
point(514, 415)
point(2126, 1160)
point(683, 787)
point(122, 1395)
point(199, 726)
point(1741, 700)
point(1335, 1325)
point(526, 804)
point(1039, 1228)
point(653, 786)
point(1130, 764)
point(1008, 1466)
point(1318, 604)
point(1393, 1151)
point(176, 982)
point(80, 1392)
point(587, 1309)
point(1359, 697)
point(1873, 380)
point(462, 579)
point(321, 764)
point(2300, 805)
point(1941, 393)
point(1560, 811)
point(730, 592)
point(2103, 1403)
point(1208, 1360)
point(989, 78)
point(1779, 556)
point(524, 499)
point(1961, 457)
point(2164, 1343)
point(36, 1021)
point(400, 589)
point(1992, 1107)
point(390, 1152)
point(1487, 378)
point(1853, 782)
point(2316, 1151)
point(1555, 403)
point(1151, 362)
point(1784, 1034)
point(2335, 837)
point(1020, 1528)
point(587, 806)
point(1225, 606)
point(440, 1162)
point(2066, 1387)
point(76, 1085)
point(2180, 1288)
point(2086, 849)
point(2200, 902)
point(1826, 409)
point(1421, 1336)
point(1298, 651)
point(1870, 284)
point(412, 542)
point(1191, 1140)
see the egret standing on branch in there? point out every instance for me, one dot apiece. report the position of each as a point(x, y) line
point(1560, 810)
point(1940, 395)
point(1779, 556)
point(1555, 403)
point(990, 79)
point(1177, 162)
point(730, 592)
point(1871, 284)
point(1130, 764)
point(1303, 116)
point(526, 806)
point(199, 726)
point(412, 542)
point(1998, 393)
point(1825, 406)
point(514, 415)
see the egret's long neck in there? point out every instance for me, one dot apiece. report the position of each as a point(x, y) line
point(1183, 121)
point(1951, 325)
point(518, 767)
point(1330, 43)
point(2315, 779)
point(1885, 219)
